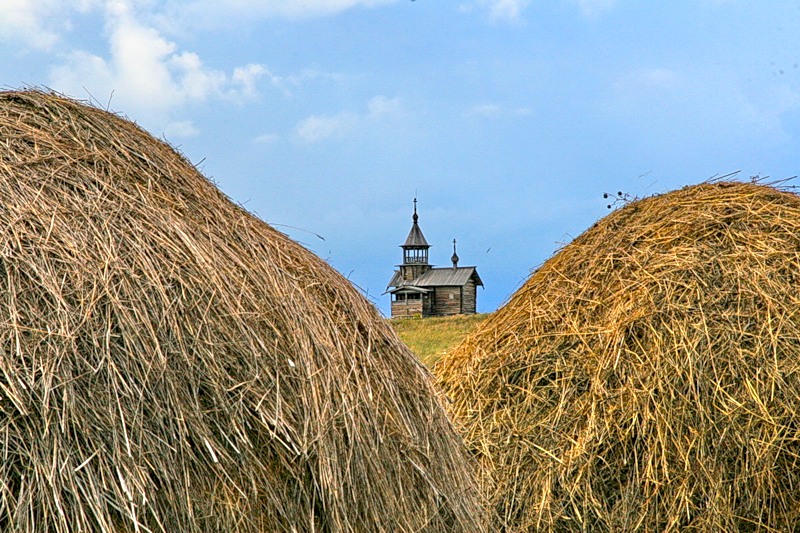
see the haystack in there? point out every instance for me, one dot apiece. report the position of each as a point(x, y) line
point(647, 377)
point(171, 363)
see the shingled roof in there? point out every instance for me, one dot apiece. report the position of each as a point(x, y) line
point(415, 237)
point(438, 277)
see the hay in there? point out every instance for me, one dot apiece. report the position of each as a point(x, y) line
point(171, 363)
point(647, 377)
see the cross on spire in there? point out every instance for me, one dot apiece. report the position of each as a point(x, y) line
point(415, 249)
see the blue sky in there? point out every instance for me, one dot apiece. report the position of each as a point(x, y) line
point(508, 119)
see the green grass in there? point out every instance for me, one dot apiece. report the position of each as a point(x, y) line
point(431, 337)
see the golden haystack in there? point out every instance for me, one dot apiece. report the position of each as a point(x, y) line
point(171, 363)
point(647, 377)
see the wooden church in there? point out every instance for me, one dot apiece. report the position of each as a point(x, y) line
point(420, 289)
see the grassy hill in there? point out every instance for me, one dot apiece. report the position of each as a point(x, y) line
point(430, 337)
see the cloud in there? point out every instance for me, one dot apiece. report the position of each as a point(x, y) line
point(593, 8)
point(658, 76)
point(40, 24)
point(710, 104)
point(146, 73)
point(214, 12)
point(486, 110)
point(288, 83)
point(25, 21)
point(381, 106)
point(183, 128)
point(506, 10)
point(246, 78)
point(319, 127)
point(266, 138)
point(511, 11)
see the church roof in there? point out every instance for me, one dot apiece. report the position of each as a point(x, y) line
point(409, 288)
point(439, 277)
point(415, 237)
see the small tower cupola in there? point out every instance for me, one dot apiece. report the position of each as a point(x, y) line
point(415, 249)
point(454, 257)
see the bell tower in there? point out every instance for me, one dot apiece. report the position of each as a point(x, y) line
point(415, 251)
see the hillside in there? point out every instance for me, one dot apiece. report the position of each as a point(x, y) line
point(430, 337)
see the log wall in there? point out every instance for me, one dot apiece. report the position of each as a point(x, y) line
point(448, 301)
point(469, 299)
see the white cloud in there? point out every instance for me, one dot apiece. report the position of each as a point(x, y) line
point(498, 10)
point(246, 79)
point(658, 76)
point(486, 110)
point(40, 24)
point(593, 8)
point(381, 106)
point(287, 84)
point(213, 11)
point(318, 127)
point(708, 103)
point(147, 74)
point(507, 10)
point(26, 21)
point(266, 138)
point(511, 11)
point(184, 128)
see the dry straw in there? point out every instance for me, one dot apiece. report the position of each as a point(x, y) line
point(647, 377)
point(171, 363)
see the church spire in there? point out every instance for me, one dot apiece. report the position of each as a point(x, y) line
point(454, 257)
point(415, 237)
point(415, 249)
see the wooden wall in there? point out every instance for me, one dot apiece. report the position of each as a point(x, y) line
point(404, 308)
point(456, 300)
point(469, 297)
point(427, 304)
point(448, 301)
point(410, 272)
